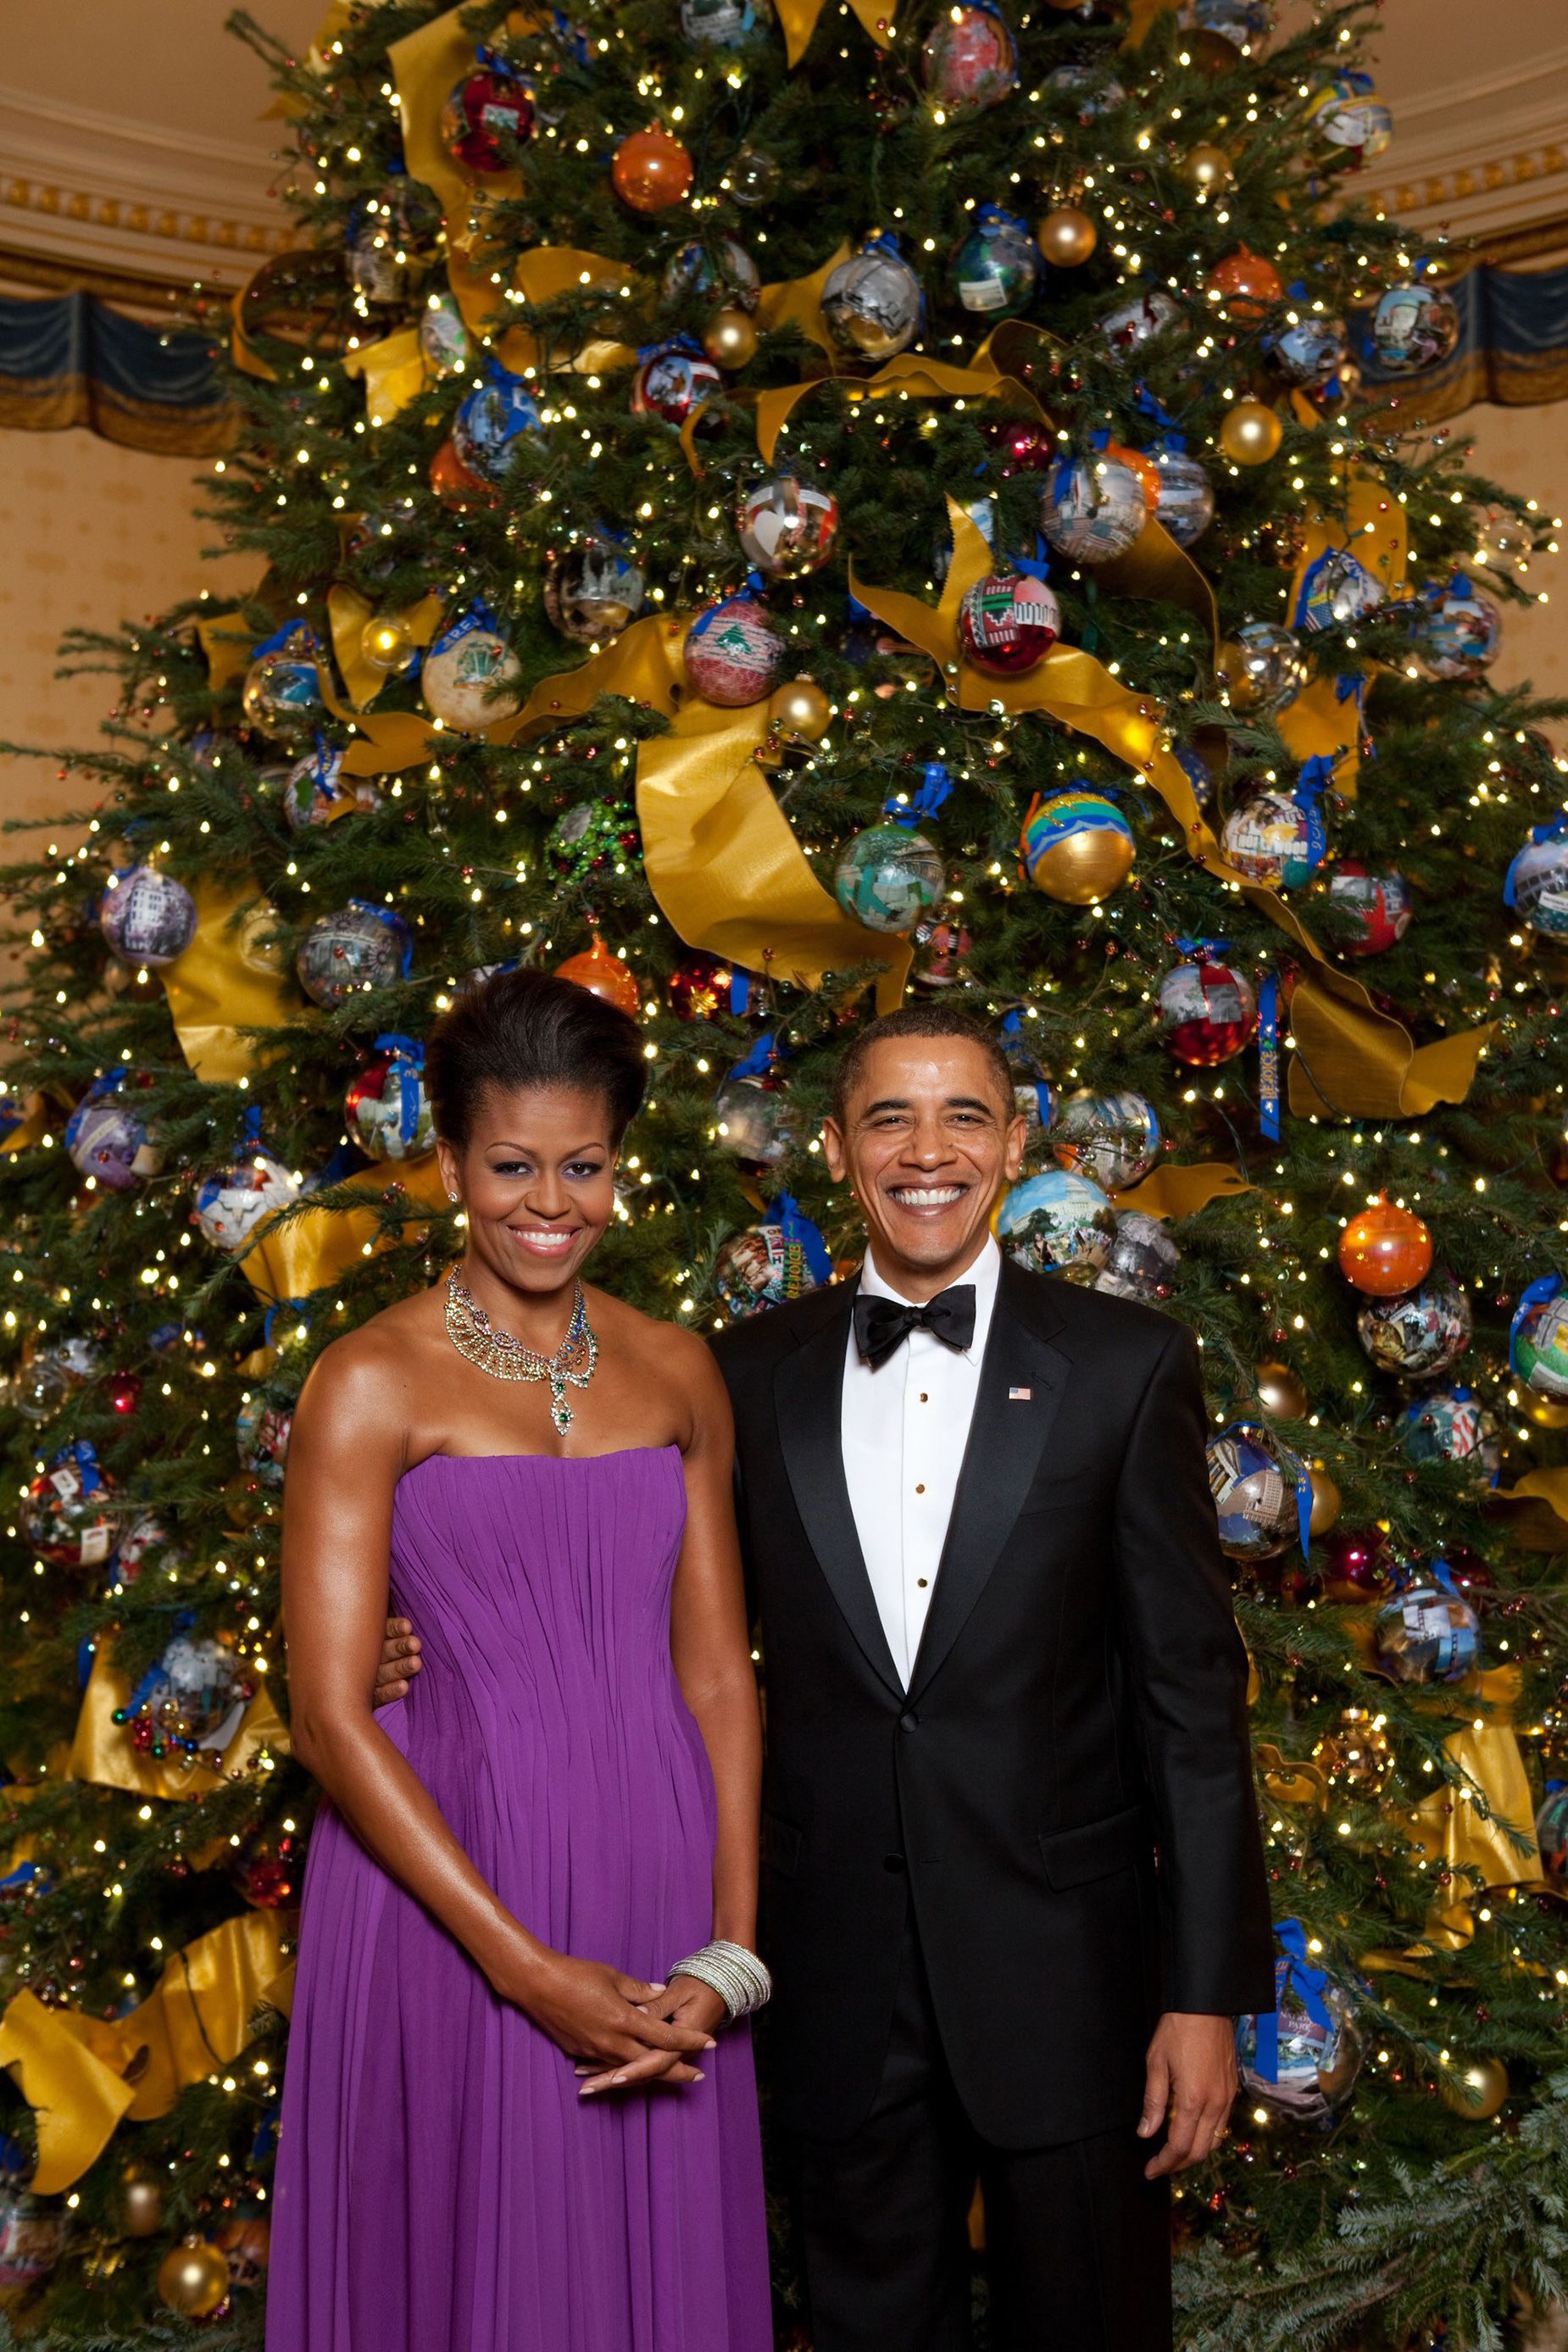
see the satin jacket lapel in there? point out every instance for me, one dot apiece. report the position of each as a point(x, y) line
point(1007, 1439)
point(809, 1391)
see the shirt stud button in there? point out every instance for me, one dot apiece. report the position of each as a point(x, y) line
point(919, 1490)
point(924, 1399)
point(923, 1581)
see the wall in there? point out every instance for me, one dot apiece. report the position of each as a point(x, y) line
point(1526, 449)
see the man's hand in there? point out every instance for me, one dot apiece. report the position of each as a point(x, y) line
point(1191, 2078)
point(398, 1663)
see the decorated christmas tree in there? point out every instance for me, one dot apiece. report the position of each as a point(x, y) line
point(765, 515)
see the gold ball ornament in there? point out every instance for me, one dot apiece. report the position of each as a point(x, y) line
point(800, 712)
point(1476, 2090)
point(386, 642)
point(193, 2277)
point(1326, 1500)
point(1356, 1753)
point(1281, 1391)
point(141, 2205)
point(729, 339)
point(1546, 1412)
point(1205, 169)
point(1250, 433)
point(1066, 237)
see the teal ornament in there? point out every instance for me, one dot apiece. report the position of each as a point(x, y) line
point(1092, 508)
point(1056, 1223)
point(1112, 1138)
point(1538, 1338)
point(887, 877)
point(996, 269)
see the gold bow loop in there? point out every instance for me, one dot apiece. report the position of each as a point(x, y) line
point(228, 978)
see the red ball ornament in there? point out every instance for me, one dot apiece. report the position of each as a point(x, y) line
point(1246, 283)
point(1380, 902)
point(1007, 622)
point(123, 1390)
point(1207, 1012)
point(604, 974)
point(1024, 448)
point(1356, 1564)
point(671, 383)
point(484, 108)
point(698, 987)
point(650, 170)
point(1385, 1250)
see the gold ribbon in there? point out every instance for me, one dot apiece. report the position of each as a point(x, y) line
point(799, 17)
point(906, 373)
point(347, 613)
point(1536, 1509)
point(31, 1128)
point(227, 980)
point(1451, 1830)
point(103, 1753)
point(300, 1251)
point(1175, 1192)
point(426, 65)
point(543, 274)
point(81, 2074)
point(1292, 1782)
point(228, 645)
point(1374, 530)
point(393, 371)
point(797, 303)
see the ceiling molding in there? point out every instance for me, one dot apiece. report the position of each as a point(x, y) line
point(1479, 158)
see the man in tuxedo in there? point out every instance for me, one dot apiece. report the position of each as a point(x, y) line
point(1014, 1884)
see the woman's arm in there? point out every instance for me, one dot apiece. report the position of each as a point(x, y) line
point(346, 1453)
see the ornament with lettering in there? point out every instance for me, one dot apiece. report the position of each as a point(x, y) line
point(770, 1263)
point(1275, 836)
point(995, 269)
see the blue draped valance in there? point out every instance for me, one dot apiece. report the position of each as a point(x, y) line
point(70, 359)
point(1512, 349)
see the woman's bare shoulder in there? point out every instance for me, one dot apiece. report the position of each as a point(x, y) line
point(671, 1353)
point(379, 1366)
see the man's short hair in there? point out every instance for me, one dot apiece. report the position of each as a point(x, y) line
point(917, 1021)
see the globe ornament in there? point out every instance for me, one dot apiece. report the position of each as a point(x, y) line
point(786, 527)
point(471, 678)
point(1536, 887)
point(1261, 667)
point(1207, 1012)
point(1416, 1333)
point(146, 916)
point(1378, 903)
point(142, 2204)
point(968, 61)
point(1250, 432)
point(315, 791)
point(1093, 508)
point(50, 1371)
point(1538, 1338)
point(1276, 837)
point(604, 975)
point(1259, 1488)
point(386, 644)
point(107, 1140)
point(673, 381)
point(1551, 1832)
point(1428, 1633)
point(1450, 1425)
point(1414, 327)
point(1457, 630)
point(1077, 846)
point(650, 170)
point(871, 304)
point(1113, 1139)
point(1184, 494)
point(1205, 170)
point(1056, 1223)
point(592, 591)
point(459, 490)
point(1066, 237)
point(493, 421)
point(360, 947)
point(729, 339)
point(1007, 623)
point(770, 1263)
point(799, 712)
point(889, 876)
point(1247, 284)
point(487, 114)
point(1132, 324)
point(754, 176)
point(1242, 22)
point(1357, 1564)
point(193, 2278)
point(67, 1511)
point(941, 951)
point(724, 24)
point(1086, 91)
point(712, 271)
point(1345, 112)
point(1384, 1249)
point(386, 1109)
point(445, 343)
point(732, 654)
point(233, 1201)
point(1299, 2067)
point(995, 268)
point(1142, 1262)
point(32, 2235)
point(282, 696)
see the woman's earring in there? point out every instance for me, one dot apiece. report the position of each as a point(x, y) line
point(451, 1196)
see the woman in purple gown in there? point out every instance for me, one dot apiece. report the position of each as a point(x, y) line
point(518, 2113)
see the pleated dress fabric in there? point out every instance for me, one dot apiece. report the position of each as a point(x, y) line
point(440, 2185)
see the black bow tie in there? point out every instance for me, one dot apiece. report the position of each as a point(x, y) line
point(881, 1324)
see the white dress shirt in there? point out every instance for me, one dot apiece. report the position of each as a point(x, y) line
point(904, 1428)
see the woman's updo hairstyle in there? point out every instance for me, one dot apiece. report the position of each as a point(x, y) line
point(522, 1029)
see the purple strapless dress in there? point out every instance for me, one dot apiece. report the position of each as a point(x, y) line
point(440, 2185)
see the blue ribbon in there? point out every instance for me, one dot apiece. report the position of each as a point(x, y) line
point(309, 644)
point(1152, 408)
point(1293, 1972)
point(1033, 567)
point(1268, 1057)
point(740, 988)
point(785, 1212)
point(85, 1457)
point(1011, 1034)
point(936, 787)
point(1535, 1294)
point(407, 1066)
point(687, 345)
point(1202, 947)
point(760, 1060)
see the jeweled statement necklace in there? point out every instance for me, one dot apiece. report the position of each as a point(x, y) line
point(505, 1359)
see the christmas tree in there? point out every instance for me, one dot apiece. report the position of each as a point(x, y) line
point(763, 515)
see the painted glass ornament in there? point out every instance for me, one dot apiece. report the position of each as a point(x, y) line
point(107, 1140)
point(1093, 508)
point(786, 527)
point(1457, 630)
point(1007, 622)
point(755, 1120)
point(315, 791)
point(1112, 1139)
point(146, 916)
point(32, 2235)
point(1414, 327)
point(1034, 1100)
point(49, 1374)
point(997, 267)
point(1134, 323)
point(597, 836)
point(887, 877)
point(1312, 352)
point(1242, 22)
point(1086, 91)
point(489, 110)
point(68, 1513)
point(1552, 1831)
point(261, 1439)
point(1345, 112)
point(1143, 1260)
point(282, 696)
point(1357, 1563)
point(674, 379)
point(770, 1263)
point(872, 306)
point(1259, 1486)
point(471, 680)
point(444, 343)
point(592, 591)
point(1077, 846)
point(1335, 590)
point(232, 1203)
point(1261, 667)
point(717, 271)
point(1451, 1425)
point(1536, 887)
point(1057, 1222)
point(733, 656)
point(1428, 1633)
point(1384, 1249)
point(1416, 1333)
point(1184, 501)
point(968, 61)
point(1298, 2065)
point(360, 947)
point(1277, 837)
point(386, 1109)
point(1380, 904)
point(1538, 1338)
point(459, 491)
point(493, 421)
point(724, 24)
point(942, 952)
point(1207, 1012)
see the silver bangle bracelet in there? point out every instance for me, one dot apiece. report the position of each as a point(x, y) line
point(737, 1975)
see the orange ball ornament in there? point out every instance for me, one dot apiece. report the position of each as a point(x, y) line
point(455, 485)
point(1385, 1250)
point(604, 974)
point(1246, 282)
point(650, 170)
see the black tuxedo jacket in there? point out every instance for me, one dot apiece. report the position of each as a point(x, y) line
point(1065, 1793)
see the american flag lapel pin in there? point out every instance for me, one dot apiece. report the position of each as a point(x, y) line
point(1020, 1396)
